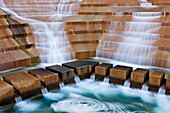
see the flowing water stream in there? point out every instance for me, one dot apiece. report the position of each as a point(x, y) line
point(89, 96)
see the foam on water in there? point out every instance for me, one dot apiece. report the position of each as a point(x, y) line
point(27, 106)
point(91, 96)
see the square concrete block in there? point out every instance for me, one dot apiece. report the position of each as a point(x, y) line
point(26, 84)
point(140, 76)
point(102, 71)
point(6, 93)
point(120, 72)
point(156, 79)
point(48, 78)
point(83, 72)
point(168, 85)
point(65, 74)
point(82, 68)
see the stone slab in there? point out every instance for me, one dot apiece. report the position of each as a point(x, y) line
point(26, 84)
point(82, 68)
point(48, 78)
point(102, 71)
point(65, 74)
point(156, 79)
point(121, 72)
point(140, 75)
point(6, 93)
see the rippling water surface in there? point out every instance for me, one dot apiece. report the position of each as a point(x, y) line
point(89, 96)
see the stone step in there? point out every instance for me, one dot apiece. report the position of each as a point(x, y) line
point(108, 19)
point(3, 14)
point(158, 58)
point(67, 55)
point(26, 84)
point(109, 41)
point(72, 38)
point(71, 48)
point(8, 44)
point(48, 78)
point(17, 58)
point(5, 33)
point(159, 2)
point(7, 93)
point(3, 23)
point(83, 3)
point(65, 74)
point(29, 12)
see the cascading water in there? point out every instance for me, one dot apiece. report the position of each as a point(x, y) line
point(44, 17)
point(135, 43)
point(52, 44)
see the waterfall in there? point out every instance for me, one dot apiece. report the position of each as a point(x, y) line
point(44, 91)
point(106, 80)
point(127, 83)
point(162, 90)
point(76, 78)
point(52, 45)
point(45, 20)
point(145, 86)
point(133, 41)
point(18, 99)
point(61, 85)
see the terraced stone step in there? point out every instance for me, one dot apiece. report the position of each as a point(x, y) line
point(29, 12)
point(17, 58)
point(8, 44)
point(111, 41)
point(84, 2)
point(159, 58)
point(108, 19)
point(3, 14)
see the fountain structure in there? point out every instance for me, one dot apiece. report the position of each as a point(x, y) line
point(41, 31)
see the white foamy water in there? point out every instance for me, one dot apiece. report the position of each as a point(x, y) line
point(61, 85)
point(76, 78)
point(89, 96)
point(135, 43)
point(27, 106)
point(145, 87)
point(106, 80)
point(18, 99)
point(127, 83)
point(44, 91)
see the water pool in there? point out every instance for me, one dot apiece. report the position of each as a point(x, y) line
point(89, 96)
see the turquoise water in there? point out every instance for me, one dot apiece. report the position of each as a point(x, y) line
point(89, 96)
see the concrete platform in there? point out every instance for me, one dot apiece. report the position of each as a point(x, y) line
point(48, 78)
point(139, 77)
point(6, 93)
point(65, 74)
point(156, 79)
point(120, 73)
point(26, 84)
point(102, 70)
point(82, 68)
